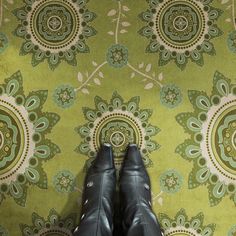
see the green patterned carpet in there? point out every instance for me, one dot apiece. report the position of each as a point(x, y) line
point(159, 73)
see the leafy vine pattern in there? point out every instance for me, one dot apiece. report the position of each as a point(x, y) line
point(3, 37)
point(4, 5)
point(231, 41)
point(118, 56)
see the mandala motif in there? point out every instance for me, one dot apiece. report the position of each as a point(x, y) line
point(232, 41)
point(179, 30)
point(181, 225)
point(232, 231)
point(3, 231)
point(118, 123)
point(53, 225)
point(63, 181)
point(3, 42)
point(117, 56)
point(55, 30)
point(23, 146)
point(64, 96)
point(171, 96)
point(171, 181)
point(212, 146)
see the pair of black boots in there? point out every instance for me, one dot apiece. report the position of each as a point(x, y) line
point(137, 217)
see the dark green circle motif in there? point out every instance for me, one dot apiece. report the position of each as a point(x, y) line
point(118, 130)
point(224, 139)
point(55, 24)
point(10, 140)
point(180, 24)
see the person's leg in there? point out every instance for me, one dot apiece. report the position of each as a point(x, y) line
point(98, 196)
point(135, 197)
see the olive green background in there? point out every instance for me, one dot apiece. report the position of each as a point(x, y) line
point(193, 77)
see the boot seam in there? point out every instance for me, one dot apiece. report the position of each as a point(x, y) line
point(99, 205)
point(140, 206)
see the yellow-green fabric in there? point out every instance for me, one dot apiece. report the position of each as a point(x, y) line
point(77, 73)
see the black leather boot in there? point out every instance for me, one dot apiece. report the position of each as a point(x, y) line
point(98, 196)
point(135, 197)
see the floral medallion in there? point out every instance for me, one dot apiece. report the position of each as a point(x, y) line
point(212, 146)
point(118, 123)
point(170, 95)
point(117, 56)
point(23, 146)
point(171, 181)
point(64, 181)
point(55, 30)
point(182, 225)
point(64, 96)
point(3, 42)
point(53, 225)
point(180, 30)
